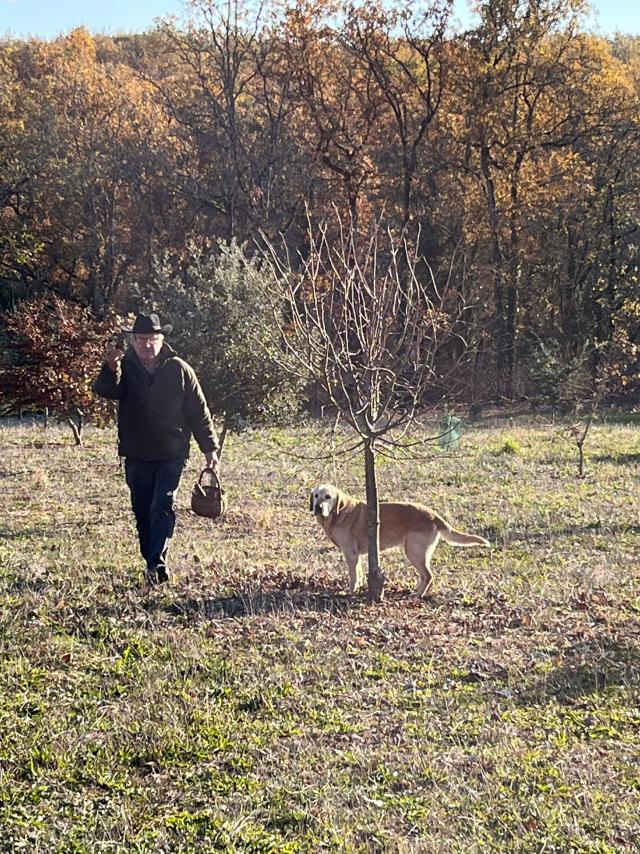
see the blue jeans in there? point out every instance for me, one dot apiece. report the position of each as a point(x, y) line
point(153, 486)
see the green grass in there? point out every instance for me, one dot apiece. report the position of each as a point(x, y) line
point(254, 706)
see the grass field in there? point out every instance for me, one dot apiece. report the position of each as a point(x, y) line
point(254, 706)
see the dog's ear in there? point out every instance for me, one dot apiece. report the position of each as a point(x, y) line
point(311, 503)
point(340, 502)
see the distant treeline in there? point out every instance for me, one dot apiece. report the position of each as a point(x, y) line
point(511, 149)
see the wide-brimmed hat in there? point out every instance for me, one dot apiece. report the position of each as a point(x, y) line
point(148, 324)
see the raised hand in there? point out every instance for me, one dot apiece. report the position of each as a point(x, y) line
point(113, 357)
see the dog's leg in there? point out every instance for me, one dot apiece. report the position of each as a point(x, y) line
point(418, 550)
point(355, 570)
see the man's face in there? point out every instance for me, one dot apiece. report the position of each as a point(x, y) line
point(148, 347)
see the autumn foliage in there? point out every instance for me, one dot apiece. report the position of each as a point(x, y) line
point(49, 360)
point(510, 147)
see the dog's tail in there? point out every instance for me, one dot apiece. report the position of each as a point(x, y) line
point(459, 538)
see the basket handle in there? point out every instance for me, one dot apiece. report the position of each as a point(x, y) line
point(215, 480)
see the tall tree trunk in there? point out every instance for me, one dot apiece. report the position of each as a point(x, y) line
point(513, 292)
point(510, 337)
point(499, 322)
point(514, 282)
point(408, 168)
point(603, 301)
point(375, 576)
point(567, 298)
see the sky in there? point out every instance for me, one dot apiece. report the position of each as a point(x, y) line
point(48, 18)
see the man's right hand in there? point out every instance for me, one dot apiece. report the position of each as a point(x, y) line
point(113, 358)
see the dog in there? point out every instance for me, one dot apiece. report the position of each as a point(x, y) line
point(414, 527)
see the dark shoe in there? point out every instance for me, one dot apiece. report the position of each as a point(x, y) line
point(151, 577)
point(161, 574)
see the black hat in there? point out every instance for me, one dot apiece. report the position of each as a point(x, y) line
point(147, 324)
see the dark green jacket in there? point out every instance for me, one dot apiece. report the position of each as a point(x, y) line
point(157, 415)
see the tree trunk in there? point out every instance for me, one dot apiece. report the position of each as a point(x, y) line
point(76, 428)
point(582, 439)
point(510, 331)
point(223, 435)
point(513, 285)
point(375, 576)
point(499, 330)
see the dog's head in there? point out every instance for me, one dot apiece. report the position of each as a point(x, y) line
point(325, 499)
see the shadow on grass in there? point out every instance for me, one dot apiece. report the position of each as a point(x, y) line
point(589, 669)
point(46, 532)
point(537, 535)
point(261, 603)
point(7, 534)
point(83, 621)
point(287, 598)
point(620, 459)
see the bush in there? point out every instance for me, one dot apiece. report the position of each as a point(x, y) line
point(49, 360)
point(510, 446)
point(223, 329)
point(562, 381)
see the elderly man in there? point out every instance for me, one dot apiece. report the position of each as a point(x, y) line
point(160, 405)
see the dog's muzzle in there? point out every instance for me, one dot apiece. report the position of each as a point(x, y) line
point(316, 507)
point(319, 508)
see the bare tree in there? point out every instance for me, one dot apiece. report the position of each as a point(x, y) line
point(410, 74)
point(365, 318)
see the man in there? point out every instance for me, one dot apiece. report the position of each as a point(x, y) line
point(160, 405)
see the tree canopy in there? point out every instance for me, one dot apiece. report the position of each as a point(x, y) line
point(511, 148)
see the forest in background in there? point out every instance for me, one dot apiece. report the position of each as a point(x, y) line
point(507, 154)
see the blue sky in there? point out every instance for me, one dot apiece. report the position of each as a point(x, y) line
point(47, 18)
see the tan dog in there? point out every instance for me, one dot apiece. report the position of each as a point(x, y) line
point(414, 527)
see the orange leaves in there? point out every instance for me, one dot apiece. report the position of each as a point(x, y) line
point(52, 356)
point(512, 147)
